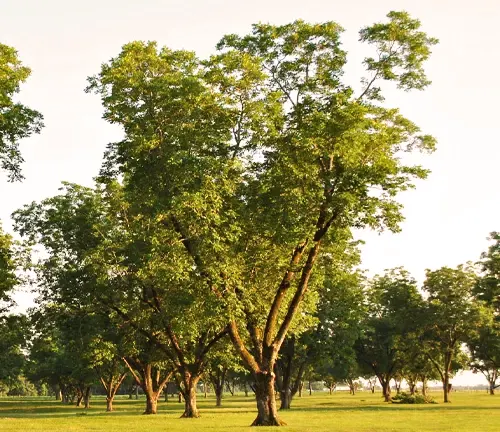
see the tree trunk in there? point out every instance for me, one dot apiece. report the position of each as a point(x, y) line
point(181, 399)
point(386, 390)
point(218, 379)
point(109, 404)
point(285, 398)
point(301, 387)
point(86, 398)
point(446, 387)
point(492, 387)
point(151, 403)
point(424, 386)
point(266, 401)
point(310, 388)
point(245, 389)
point(189, 393)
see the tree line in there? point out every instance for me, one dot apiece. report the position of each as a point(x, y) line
point(218, 235)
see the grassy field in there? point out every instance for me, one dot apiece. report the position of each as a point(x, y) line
point(341, 412)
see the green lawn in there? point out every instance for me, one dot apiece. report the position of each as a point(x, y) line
point(340, 412)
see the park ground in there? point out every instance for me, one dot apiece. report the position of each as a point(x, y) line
point(364, 412)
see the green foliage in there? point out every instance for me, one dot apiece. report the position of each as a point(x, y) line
point(8, 266)
point(406, 398)
point(401, 52)
point(14, 333)
point(488, 286)
point(393, 304)
point(17, 121)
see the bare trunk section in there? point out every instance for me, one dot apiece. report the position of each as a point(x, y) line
point(352, 386)
point(151, 403)
point(266, 401)
point(286, 384)
point(218, 379)
point(188, 389)
point(86, 397)
point(385, 382)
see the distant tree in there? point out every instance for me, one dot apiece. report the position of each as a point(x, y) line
point(17, 121)
point(488, 285)
point(452, 317)
point(484, 345)
point(484, 348)
point(393, 304)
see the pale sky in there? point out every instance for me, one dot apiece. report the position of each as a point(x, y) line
point(448, 216)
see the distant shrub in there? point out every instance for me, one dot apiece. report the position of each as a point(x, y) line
point(406, 398)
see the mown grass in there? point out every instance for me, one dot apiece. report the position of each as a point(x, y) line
point(341, 412)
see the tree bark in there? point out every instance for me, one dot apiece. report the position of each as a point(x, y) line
point(86, 398)
point(218, 379)
point(149, 378)
point(189, 382)
point(267, 413)
point(151, 403)
point(424, 386)
point(386, 389)
point(111, 384)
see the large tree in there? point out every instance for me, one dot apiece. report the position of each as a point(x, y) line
point(17, 121)
point(250, 164)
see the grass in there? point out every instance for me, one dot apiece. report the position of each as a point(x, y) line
point(364, 412)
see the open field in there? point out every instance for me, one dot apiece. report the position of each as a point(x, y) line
point(363, 412)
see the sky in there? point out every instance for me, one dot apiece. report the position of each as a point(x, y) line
point(448, 216)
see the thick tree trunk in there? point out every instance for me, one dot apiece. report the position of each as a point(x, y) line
point(301, 387)
point(266, 401)
point(189, 393)
point(151, 403)
point(492, 388)
point(310, 388)
point(285, 399)
point(386, 390)
point(109, 404)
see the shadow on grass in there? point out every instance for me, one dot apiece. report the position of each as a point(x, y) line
point(30, 409)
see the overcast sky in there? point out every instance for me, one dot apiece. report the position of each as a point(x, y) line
point(448, 216)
